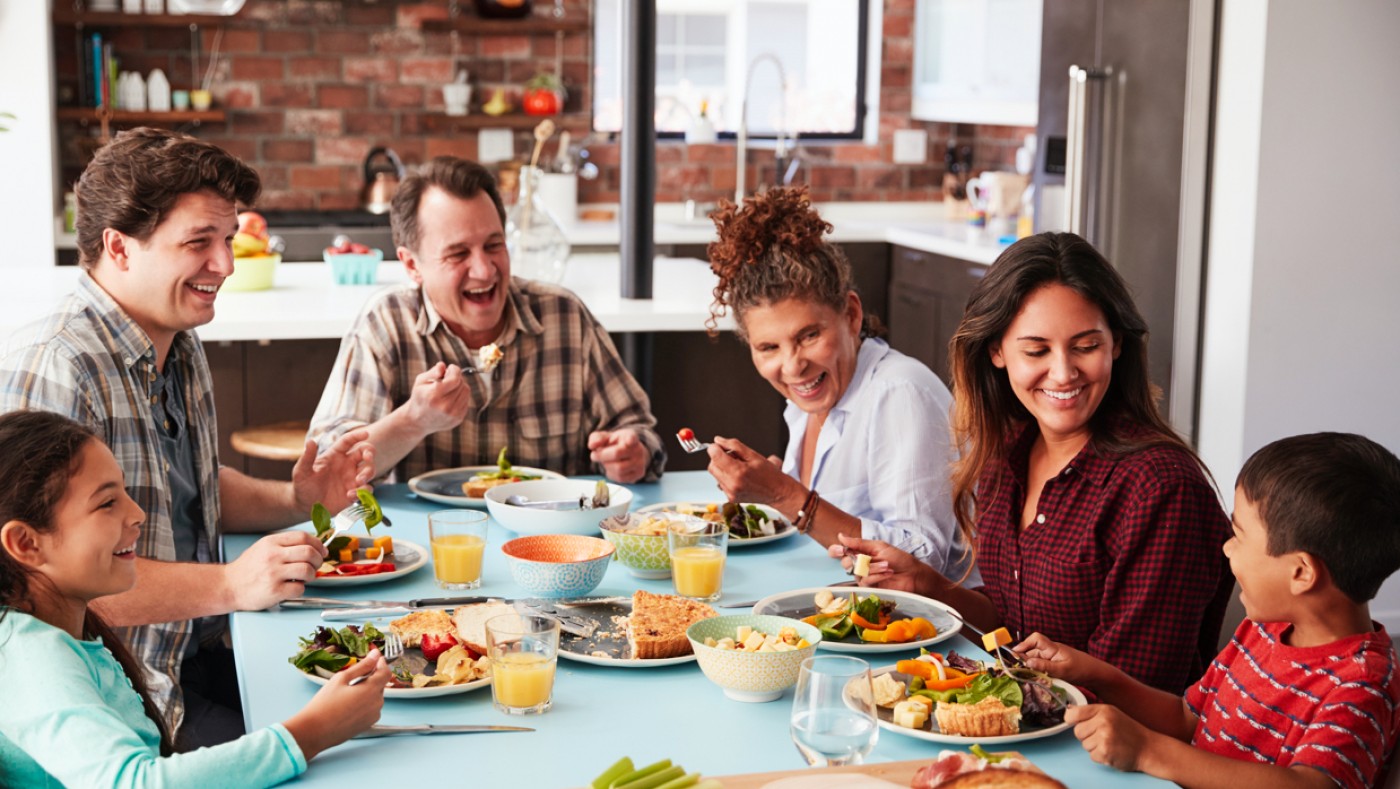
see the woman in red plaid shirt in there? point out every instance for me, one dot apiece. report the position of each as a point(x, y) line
point(1091, 520)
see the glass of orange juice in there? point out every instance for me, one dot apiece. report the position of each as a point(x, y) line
point(459, 539)
point(524, 651)
point(697, 558)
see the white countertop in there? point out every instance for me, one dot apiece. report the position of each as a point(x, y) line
point(305, 304)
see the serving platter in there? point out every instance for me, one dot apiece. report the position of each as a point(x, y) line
point(610, 639)
point(414, 693)
point(932, 734)
point(407, 557)
point(784, 529)
point(444, 486)
point(799, 603)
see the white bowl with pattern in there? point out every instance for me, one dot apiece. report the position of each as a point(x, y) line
point(644, 555)
point(751, 676)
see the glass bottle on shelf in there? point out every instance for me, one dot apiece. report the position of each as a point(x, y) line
point(538, 248)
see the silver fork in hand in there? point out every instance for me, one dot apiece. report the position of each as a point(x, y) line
point(393, 650)
point(347, 518)
point(688, 441)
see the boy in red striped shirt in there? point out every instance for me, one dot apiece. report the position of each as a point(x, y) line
point(1307, 693)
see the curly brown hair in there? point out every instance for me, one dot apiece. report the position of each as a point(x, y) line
point(772, 249)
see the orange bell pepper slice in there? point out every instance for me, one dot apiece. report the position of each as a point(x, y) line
point(861, 622)
point(916, 668)
point(950, 683)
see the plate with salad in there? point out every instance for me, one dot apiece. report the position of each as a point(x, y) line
point(466, 486)
point(329, 650)
point(1033, 701)
point(749, 524)
point(866, 620)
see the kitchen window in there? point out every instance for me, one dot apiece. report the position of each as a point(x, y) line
point(704, 50)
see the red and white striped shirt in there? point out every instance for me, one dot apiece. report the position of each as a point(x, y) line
point(1334, 707)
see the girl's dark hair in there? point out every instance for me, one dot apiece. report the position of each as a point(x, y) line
point(134, 181)
point(986, 411)
point(772, 249)
point(39, 454)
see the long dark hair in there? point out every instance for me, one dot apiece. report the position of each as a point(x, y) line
point(986, 411)
point(39, 454)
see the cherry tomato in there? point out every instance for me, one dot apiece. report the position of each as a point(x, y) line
point(686, 434)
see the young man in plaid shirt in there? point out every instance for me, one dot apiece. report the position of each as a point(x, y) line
point(1307, 693)
point(560, 397)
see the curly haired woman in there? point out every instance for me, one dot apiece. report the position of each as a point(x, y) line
point(868, 450)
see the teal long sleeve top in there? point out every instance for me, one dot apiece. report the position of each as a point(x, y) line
point(70, 717)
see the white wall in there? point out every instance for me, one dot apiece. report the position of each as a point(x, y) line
point(29, 200)
point(1302, 319)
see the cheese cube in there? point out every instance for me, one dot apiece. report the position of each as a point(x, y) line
point(347, 554)
point(725, 643)
point(742, 633)
point(910, 714)
point(862, 567)
point(753, 642)
point(994, 639)
point(372, 553)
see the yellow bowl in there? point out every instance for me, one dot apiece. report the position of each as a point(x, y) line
point(253, 273)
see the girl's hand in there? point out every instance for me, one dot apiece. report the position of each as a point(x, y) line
point(890, 568)
point(1058, 660)
point(340, 710)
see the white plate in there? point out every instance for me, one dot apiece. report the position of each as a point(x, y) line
point(798, 604)
point(609, 638)
point(933, 735)
point(408, 556)
point(785, 530)
point(413, 693)
point(623, 662)
point(445, 485)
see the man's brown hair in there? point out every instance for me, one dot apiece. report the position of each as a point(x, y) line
point(457, 177)
point(134, 181)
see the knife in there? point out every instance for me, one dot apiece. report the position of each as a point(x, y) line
point(422, 602)
point(390, 731)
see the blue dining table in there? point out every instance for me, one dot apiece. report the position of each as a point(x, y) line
point(600, 713)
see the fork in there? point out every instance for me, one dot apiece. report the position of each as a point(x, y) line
point(689, 443)
point(392, 650)
point(347, 518)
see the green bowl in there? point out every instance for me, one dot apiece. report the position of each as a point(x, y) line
point(644, 555)
point(751, 676)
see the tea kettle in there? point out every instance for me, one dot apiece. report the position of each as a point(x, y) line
point(381, 179)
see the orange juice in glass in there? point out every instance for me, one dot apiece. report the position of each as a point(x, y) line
point(458, 539)
point(524, 651)
point(697, 558)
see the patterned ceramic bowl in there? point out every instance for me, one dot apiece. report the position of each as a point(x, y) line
point(643, 554)
point(557, 565)
point(751, 676)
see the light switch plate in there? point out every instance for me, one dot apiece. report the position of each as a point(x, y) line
point(495, 145)
point(910, 146)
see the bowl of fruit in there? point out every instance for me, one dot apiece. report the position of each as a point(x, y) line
point(256, 254)
point(352, 263)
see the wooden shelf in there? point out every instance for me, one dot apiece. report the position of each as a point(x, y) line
point(93, 115)
point(506, 27)
point(514, 120)
point(65, 15)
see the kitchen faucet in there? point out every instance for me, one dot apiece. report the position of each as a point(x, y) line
point(785, 171)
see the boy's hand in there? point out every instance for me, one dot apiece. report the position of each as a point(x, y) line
point(1059, 660)
point(1110, 736)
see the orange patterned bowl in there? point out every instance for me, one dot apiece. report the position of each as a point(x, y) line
point(558, 565)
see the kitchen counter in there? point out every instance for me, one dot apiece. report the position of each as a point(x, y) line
point(305, 304)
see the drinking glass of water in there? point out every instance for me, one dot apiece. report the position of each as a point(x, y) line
point(833, 711)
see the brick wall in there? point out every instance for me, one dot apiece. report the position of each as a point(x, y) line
point(310, 86)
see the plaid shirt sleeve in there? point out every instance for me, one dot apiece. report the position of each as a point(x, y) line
point(357, 391)
point(616, 400)
point(1166, 577)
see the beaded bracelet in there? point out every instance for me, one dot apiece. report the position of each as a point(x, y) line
point(808, 512)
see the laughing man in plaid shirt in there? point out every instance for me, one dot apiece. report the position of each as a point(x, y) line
point(156, 214)
point(560, 398)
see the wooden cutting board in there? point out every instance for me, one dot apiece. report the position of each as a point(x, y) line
point(864, 776)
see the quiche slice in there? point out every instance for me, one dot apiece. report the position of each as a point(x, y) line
point(656, 628)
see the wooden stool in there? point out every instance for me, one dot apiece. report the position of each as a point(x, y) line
point(279, 441)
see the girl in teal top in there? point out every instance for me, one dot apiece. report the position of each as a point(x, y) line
point(75, 710)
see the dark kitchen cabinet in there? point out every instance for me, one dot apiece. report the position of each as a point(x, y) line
point(927, 295)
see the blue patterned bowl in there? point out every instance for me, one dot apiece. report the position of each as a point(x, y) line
point(751, 676)
point(558, 565)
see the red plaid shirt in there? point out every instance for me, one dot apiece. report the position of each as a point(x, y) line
point(1123, 560)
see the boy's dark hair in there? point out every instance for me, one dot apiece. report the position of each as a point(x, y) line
point(134, 181)
point(457, 177)
point(1335, 496)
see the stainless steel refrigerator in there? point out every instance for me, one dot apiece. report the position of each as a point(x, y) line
point(1122, 158)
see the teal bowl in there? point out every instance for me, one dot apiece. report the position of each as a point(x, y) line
point(751, 676)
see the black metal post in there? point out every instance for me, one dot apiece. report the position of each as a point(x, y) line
point(638, 146)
